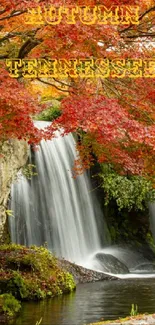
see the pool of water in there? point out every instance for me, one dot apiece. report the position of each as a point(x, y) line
point(92, 302)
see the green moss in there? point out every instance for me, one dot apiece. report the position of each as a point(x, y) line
point(16, 285)
point(32, 273)
point(9, 305)
point(50, 113)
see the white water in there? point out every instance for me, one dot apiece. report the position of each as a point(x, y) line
point(130, 258)
point(55, 208)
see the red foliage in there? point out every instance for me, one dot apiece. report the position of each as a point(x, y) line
point(109, 131)
point(16, 108)
point(116, 117)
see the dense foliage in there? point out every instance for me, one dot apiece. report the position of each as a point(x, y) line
point(128, 192)
point(51, 113)
point(32, 273)
point(116, 113)
point(9, 305)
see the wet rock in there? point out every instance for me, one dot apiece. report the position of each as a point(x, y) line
point(14, 156)
point(145, 267)
point(83, 275)
point(109, 263)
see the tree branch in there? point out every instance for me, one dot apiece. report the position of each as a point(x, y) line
point(140, 18)
point(27, 47)
point(141, 35)
point(53, 85)
point(13, 14)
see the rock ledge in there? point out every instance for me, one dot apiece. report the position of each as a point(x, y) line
point(83, 275)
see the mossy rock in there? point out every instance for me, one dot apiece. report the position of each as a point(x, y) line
point(32, 273)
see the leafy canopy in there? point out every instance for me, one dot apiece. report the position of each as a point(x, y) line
point(114, 117)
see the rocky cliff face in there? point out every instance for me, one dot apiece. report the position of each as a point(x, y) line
point(14, 156)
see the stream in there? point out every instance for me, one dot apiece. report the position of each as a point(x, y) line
point(92, 302)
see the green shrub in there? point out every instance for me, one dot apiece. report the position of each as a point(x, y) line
point(32, 273)
point(9, 305)
point(128, 191)
point(16, 285)
point(69, 284)
point(50, 113)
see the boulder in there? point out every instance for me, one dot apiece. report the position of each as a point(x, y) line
point(110, 264)
point(144, 268)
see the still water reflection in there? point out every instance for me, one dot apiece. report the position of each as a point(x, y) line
point(92, 302)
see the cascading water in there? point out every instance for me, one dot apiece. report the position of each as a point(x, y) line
point(54, 207)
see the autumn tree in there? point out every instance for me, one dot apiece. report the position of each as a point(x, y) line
point(114, 117)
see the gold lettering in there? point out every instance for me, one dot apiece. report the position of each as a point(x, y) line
point(47, 68)
point(108, 16)
point(14, 66)
point(118, 68)
point(86, 68)
point(70, 14)
point(129, 15)
point(149, 68)
point(134, 68)
point(88, 15)
point(53, 15)
point(67, 68)
point(102, 68)
point(29, 68)
point(34, 16)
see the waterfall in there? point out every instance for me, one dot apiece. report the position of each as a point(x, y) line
point(55, 208)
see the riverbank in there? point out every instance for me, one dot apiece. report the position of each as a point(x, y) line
point(29, 273)
point(33, 273)
point(134, 320)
